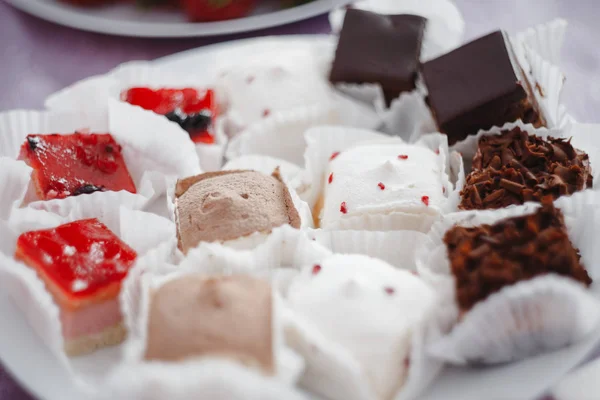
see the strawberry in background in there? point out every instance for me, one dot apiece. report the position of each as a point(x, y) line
point(216, 10)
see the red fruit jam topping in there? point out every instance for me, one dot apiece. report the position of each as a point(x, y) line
point(381, 185)
point(70, 165)
point(81, 262)
point(193, 110)
point(425, 200)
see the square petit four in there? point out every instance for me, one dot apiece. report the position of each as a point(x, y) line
point(478, 86)
point(486, 258)
point(229, 205)
point(219, 316)
point(195, 111)
point(75, 164)
point(82, 265)
point(383, 180)
point(383, 49)
point(515, 167)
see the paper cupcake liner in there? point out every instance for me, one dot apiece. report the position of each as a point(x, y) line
point(150, 159)
point(214, 259)
point(334, 372)
point(324, 141)
point(585, 137)
point(520, 320)
point(445, 27)
point(545, 39)
point(397, 248)
point(28, 291)
point(204, 379)
point(281, 135)
point(290, 172)
point(15, 177)
point(89, 93)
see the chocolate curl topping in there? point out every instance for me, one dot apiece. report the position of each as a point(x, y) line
point(486, 258)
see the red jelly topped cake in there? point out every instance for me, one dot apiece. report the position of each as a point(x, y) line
point(70, 165)
point(192, 109)
point(82, 264)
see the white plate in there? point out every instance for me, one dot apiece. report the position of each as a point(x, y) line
point(127, 20)
point(25, 356)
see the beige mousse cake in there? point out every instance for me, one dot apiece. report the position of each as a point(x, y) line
point(228, 205)
point(222, 316)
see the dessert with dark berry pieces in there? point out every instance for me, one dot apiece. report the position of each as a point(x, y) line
point(486, 258)
point(478, 86)
point(82, 264)
point(193, 110)
point(74, 164)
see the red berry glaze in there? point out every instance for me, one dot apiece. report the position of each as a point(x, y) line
point(403, 157)
point(334, 155)
point(343, 208)
point(425, 200)
point(188, 102)
point(381, 186)
point(316, 269)
point(81, 262)
point(330, 178)
point(69, 165)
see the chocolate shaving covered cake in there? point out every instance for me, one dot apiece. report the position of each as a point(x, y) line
point(515, 167)
point(486, 258)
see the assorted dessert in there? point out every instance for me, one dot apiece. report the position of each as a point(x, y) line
point(228, 206)
point(82, 264)
point(487, 258)
point(198, 316)
point(74, 164)
point(515, 167)
point(357, 322)
point(195, 111)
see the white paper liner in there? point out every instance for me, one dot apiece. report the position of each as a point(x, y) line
point(545, 39)
point(15, 177)
point(281, 135)
point(89, 93)
point(579, 384)
point(397, 248)
point(332, 371)
point(323, 141)
point(203, 379)
point(445, 25)
point(29, 293)
point(533, 316)
point(151, 160)
point(286, 248)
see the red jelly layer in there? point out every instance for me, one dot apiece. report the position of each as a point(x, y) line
point(82, 262)
point(185, 102)
point(70, 165)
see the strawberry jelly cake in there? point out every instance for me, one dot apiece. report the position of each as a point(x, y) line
point(74, 164)
point(193, 110)
point(82, 264)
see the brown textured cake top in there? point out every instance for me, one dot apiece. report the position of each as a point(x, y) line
point(196, 316)
point(486, 258)
point(375, 48)
point(226, 205)
point(514, 167)
point(532, 152)
point(477, 86)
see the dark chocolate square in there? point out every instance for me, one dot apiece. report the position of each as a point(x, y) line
point(477, 86)
point(486, 258)
point(382, 49)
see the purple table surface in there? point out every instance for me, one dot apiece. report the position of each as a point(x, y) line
point(39, 58)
